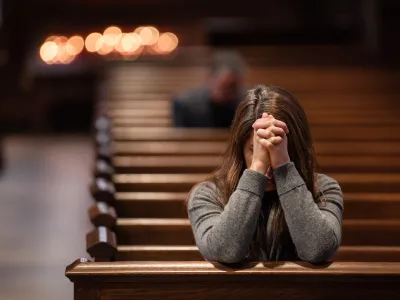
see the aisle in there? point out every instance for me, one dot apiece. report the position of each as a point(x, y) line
point(44, 199)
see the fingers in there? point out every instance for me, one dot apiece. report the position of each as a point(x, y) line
point(271, 142)
point(267, 121)
point(270, 132)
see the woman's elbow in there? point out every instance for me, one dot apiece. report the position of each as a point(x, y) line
point(223, 254)
point(320, 252)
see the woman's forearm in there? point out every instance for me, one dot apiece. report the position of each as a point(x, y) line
point(225, 235)
point(315, 231)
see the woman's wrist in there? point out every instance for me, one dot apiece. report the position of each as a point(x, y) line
point(259, 167)
point(282, 164)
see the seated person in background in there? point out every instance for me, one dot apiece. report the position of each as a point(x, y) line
point(214, 104)
point(265, 202)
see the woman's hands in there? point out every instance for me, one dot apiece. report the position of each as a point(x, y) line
point(269, 140)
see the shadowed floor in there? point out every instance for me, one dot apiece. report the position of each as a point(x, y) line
point(43, 214)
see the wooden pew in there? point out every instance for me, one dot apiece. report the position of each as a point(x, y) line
point(191, 253)
point(172, 205)
point(308, 101)
point(102, 245)
point(349, 182)
point(164, 121)
point(203, 280)
point(320, 133)
point(178, 232)
point(168, 134)
point(207, 164)
point(338, 113)
point(184, 148)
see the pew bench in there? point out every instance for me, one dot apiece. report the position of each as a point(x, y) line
point(102, 245)
point(178, 232)
point(207, 164)
point(166, 121)
point(349, 182)
point(187, 148)
point(172, 205)
point(354, 133)
point(205, 280)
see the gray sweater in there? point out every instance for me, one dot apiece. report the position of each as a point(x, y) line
point(224, 234)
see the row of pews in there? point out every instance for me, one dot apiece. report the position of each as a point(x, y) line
point(142, 244)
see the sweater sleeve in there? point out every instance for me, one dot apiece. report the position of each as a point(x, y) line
point(315, 226)
point(224, 234)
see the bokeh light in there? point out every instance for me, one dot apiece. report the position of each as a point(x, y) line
point(102, 48)
point(167, 42)
point(93, 42)
point(75, 45)
point(149, 35)
point(130, 42)
point(63, 56)
point(112, 35)
point(48, 51)
point(147, 39)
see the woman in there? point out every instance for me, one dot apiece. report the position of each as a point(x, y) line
point(266, 201)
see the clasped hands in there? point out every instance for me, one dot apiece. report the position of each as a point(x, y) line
point(269, 144)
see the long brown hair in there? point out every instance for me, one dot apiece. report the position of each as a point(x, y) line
point(283, 106)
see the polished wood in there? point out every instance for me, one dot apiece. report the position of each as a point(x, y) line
point(157, 182)
point(179, 232)
point(154, 232)
point(185, 148)
point(159, 148)
point(139, 113)
point(168, 134)
point(166, 164)
point(333, 113)
point(368, 254)
point(310, 100)
point(103, 169)
point(371, 206)
point(162, 103)
point(319, 133)
point(101, 214)
point(103, 190)
point(158, 253)
point(207, 164)
point(101, 243)
point(349, 182)
point(166, 121)
point(191, 253)
point(143, 122)
point(172, 205)
point(371, 232)
point(151, 205)
point(204, 280)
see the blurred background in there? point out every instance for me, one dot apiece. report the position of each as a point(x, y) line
point(54, 57)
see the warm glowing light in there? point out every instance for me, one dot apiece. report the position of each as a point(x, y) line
point(75, 45)
point(112, 35)
point(167, 42)
point(93, 42)
point(63, 56)
point(138, 30)
point(149, 35)
point(102, 48)
point(112, 30)
point(132, 55)
point(130, 42)
point(52, 38)
point(48, 51)
point(155, 34)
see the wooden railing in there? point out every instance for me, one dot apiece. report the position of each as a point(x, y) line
point(204, 280)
